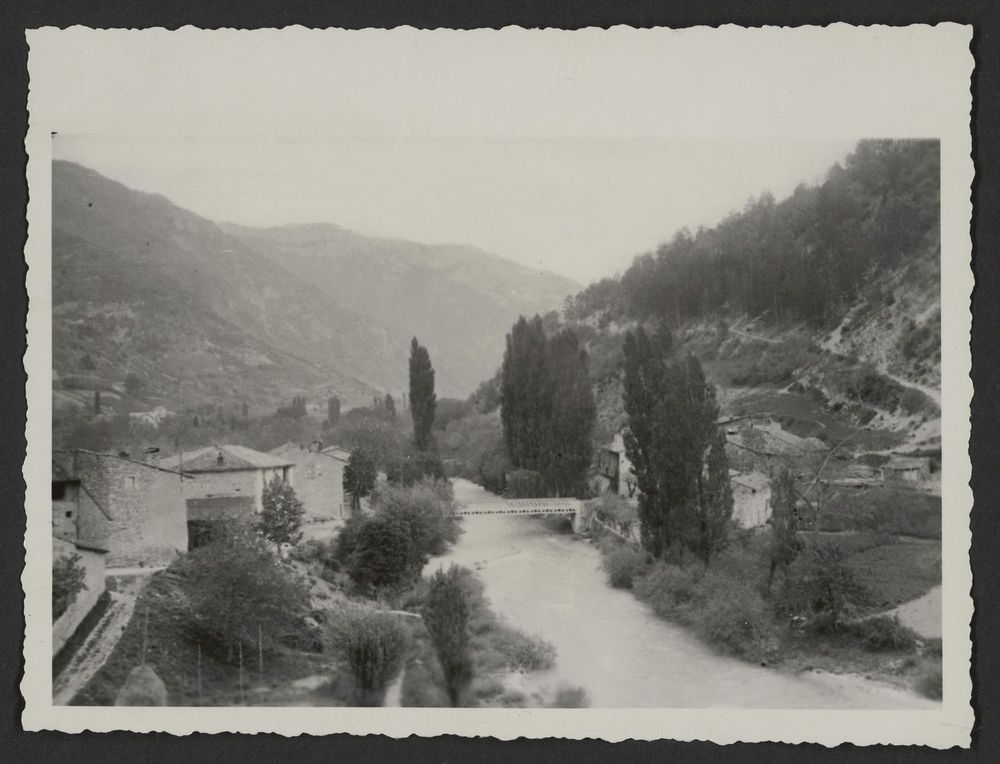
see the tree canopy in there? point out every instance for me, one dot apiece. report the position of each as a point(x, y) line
point(422, 398)
point(547, 405)
point(676, 448)
point(804, 258)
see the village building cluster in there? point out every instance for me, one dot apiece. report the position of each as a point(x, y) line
point(114, 512)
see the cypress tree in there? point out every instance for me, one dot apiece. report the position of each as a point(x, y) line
point(676, 449)
point(423, 401)
point(390, 406)
point(647, 437)
point(568, 450)
point(526, 395)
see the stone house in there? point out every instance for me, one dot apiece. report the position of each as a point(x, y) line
point(225, 482)
point(319, 478)
point(140, 513)
point(86, 540)
point(751, 498)
point(906, 469)
point(614, 469)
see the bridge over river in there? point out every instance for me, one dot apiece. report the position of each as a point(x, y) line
point(567, 507)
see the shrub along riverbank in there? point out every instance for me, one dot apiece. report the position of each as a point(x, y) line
point(820, 615)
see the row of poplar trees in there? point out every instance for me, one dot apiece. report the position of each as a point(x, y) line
point(676, 447)
point(548, 410)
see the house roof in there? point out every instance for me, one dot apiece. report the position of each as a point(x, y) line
point(755, 481)
point(331, 452)
point(224, 459)
point(336, 452)
point(64, 459)
point(906, 463)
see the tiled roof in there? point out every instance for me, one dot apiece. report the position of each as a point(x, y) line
point(207, 459)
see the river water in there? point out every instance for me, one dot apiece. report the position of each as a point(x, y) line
point(611, 644)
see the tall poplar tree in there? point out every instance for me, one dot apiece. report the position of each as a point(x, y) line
point(547, 405)
point(573, 414)
point(676, 448)
point(526, 398)
point(423, 401)
point(648, 437)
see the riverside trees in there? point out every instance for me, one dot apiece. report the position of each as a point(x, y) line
point(547, 405)
point(423, 401)
point(676, 448)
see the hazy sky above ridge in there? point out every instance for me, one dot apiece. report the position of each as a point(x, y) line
point(566, 151)
point(582, 208)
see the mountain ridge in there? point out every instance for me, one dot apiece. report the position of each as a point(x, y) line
point(143, 286)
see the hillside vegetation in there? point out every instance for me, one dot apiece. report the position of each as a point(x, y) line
point(831, 295)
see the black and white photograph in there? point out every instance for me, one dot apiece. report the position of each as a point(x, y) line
point(511, 377)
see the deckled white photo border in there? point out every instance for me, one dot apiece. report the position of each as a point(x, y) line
point(837, 81)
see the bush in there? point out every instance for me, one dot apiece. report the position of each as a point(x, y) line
point(725, 612)
point(822, 588)
point(373, 643)
point(736, 620)
point(67, 583)
point(668, 588)
point(426, 508)
point(446, 616)
point(238, 591)
point(384, 556)
point(624, 565)
point(883, 633)
point(619, 513)
point(523, 652)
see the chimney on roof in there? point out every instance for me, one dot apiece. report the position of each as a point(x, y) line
point(318, 445)
point(124, 454)
point(150, 454)
point(220, 459)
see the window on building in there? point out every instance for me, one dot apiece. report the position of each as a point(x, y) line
point(58, 490)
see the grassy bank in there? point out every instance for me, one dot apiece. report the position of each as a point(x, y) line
point(729, 607)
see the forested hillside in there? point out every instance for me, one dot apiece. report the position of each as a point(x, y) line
point(832, 294)
point(805, 258)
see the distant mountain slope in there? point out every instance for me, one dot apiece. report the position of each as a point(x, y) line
point(460, 301)
point(140, 285)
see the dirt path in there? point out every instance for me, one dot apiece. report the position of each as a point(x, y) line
point(99, 644)
point(931, 392)
point(923, 614)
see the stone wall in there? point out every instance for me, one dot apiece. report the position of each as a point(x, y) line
point(210, 485)
point(319, 483)
point(751, 508)
point(92, 563)
point(148, 524)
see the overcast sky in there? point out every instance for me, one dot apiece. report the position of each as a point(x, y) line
point(582, 208)
point(568, 151)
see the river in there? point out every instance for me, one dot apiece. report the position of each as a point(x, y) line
point(611, 644)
